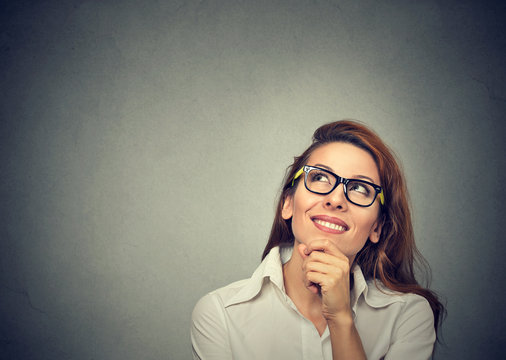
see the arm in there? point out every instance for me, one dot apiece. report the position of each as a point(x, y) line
point(346, 342)
point(325, 265)
point(209, 335)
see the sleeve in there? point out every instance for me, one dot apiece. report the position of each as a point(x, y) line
point(209, 334)
point(414, 334)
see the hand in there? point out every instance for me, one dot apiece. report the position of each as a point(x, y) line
point(327, 269)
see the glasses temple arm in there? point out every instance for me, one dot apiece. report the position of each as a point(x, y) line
point(297, 174)
point(382, 197)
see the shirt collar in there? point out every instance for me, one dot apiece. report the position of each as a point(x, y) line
point(271, 268)
point(374, 292)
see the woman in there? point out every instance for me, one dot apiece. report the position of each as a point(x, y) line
point(336, 280)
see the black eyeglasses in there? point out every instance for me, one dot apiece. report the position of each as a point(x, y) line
point(323, 182)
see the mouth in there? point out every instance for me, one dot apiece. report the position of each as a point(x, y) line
point(330, 224)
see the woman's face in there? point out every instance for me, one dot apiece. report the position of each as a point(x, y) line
point(332, 216)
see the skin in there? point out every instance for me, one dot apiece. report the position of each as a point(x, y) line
point(317, 277)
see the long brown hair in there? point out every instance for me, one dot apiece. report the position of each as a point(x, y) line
point(392, 259)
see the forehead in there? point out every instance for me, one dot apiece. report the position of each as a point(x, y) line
point(346, 160)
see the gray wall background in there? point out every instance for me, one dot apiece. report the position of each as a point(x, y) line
point(143, 145)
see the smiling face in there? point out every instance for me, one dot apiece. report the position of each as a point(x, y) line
point(331, 216)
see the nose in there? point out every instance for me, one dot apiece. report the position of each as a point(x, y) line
point(336, 198)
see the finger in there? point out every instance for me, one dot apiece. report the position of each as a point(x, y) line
point(314, 288)
point(302, 250)
point(332, 275)
point(328, 282)
point(319, 256)
point(326, 246)
point(322, 268)
point(317, 278)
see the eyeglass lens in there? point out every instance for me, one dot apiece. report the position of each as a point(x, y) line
point(358, 192)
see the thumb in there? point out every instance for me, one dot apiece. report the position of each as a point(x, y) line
point(302, 250)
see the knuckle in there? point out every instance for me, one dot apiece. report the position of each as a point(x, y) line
point(340, 272)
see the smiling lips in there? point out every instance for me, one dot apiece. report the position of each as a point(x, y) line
point(329, 224)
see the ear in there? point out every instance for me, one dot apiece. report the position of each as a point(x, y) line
point(375, 233)
point(287, 210)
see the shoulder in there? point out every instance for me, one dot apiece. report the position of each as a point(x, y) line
point(208, 320)
point(416, 313)
point(408, 309)
point(211, 304)
point(209, 331)
point(380, 295)
point(398, 324)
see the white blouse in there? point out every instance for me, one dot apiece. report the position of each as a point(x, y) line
point(255, 319)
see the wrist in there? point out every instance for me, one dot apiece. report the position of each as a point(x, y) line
point(340, 321)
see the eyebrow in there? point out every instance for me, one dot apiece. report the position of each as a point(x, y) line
point(365, 177)
point(354, 177)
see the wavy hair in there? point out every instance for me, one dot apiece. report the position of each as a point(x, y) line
point(392, 259)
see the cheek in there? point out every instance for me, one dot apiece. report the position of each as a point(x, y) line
point(302, 204)
point(300, 220)
point(366, 225)
point(297, 220)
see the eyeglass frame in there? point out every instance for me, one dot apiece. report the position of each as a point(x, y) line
point(307, 168)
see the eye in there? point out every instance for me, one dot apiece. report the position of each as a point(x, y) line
point(318, 176)
point(359, 188)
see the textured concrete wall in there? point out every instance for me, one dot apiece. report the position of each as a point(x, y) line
point(143, 144)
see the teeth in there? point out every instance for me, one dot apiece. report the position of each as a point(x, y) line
point(330, 225)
